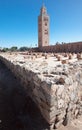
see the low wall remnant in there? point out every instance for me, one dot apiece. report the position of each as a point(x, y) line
point(54, 85)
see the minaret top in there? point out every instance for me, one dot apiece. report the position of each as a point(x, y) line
point(43, 10)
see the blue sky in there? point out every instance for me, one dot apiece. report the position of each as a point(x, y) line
point(18, 21)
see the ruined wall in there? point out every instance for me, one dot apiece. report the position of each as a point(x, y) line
point(67, 47)
point(36, 88)
point(57, 91)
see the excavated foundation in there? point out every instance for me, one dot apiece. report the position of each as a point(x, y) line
point(54, 85)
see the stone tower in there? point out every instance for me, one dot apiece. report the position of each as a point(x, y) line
point(43, 28)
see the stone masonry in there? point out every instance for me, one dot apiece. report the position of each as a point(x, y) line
point(54, 85)
point(43, 28)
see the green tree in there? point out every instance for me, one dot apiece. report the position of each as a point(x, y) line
point(5, 49)
point(14, 48)
point(23, 49)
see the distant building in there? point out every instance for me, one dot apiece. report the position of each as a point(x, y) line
point(43, 28)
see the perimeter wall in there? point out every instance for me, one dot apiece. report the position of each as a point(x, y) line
point(65, 47)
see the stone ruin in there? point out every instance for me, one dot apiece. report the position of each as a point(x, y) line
point(53, 81)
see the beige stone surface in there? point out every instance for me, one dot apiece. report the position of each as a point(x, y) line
point(75, 125)
point(53, 86)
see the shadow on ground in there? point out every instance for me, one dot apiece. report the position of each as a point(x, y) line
point(17, 111)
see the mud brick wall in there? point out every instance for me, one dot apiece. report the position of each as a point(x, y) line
point(65, 47)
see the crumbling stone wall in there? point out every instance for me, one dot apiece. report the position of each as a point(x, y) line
point(57, 91)
point(36, 88)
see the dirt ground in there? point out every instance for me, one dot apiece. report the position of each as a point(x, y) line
point(75, 125)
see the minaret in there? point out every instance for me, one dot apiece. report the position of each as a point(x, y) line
point(43, 28)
